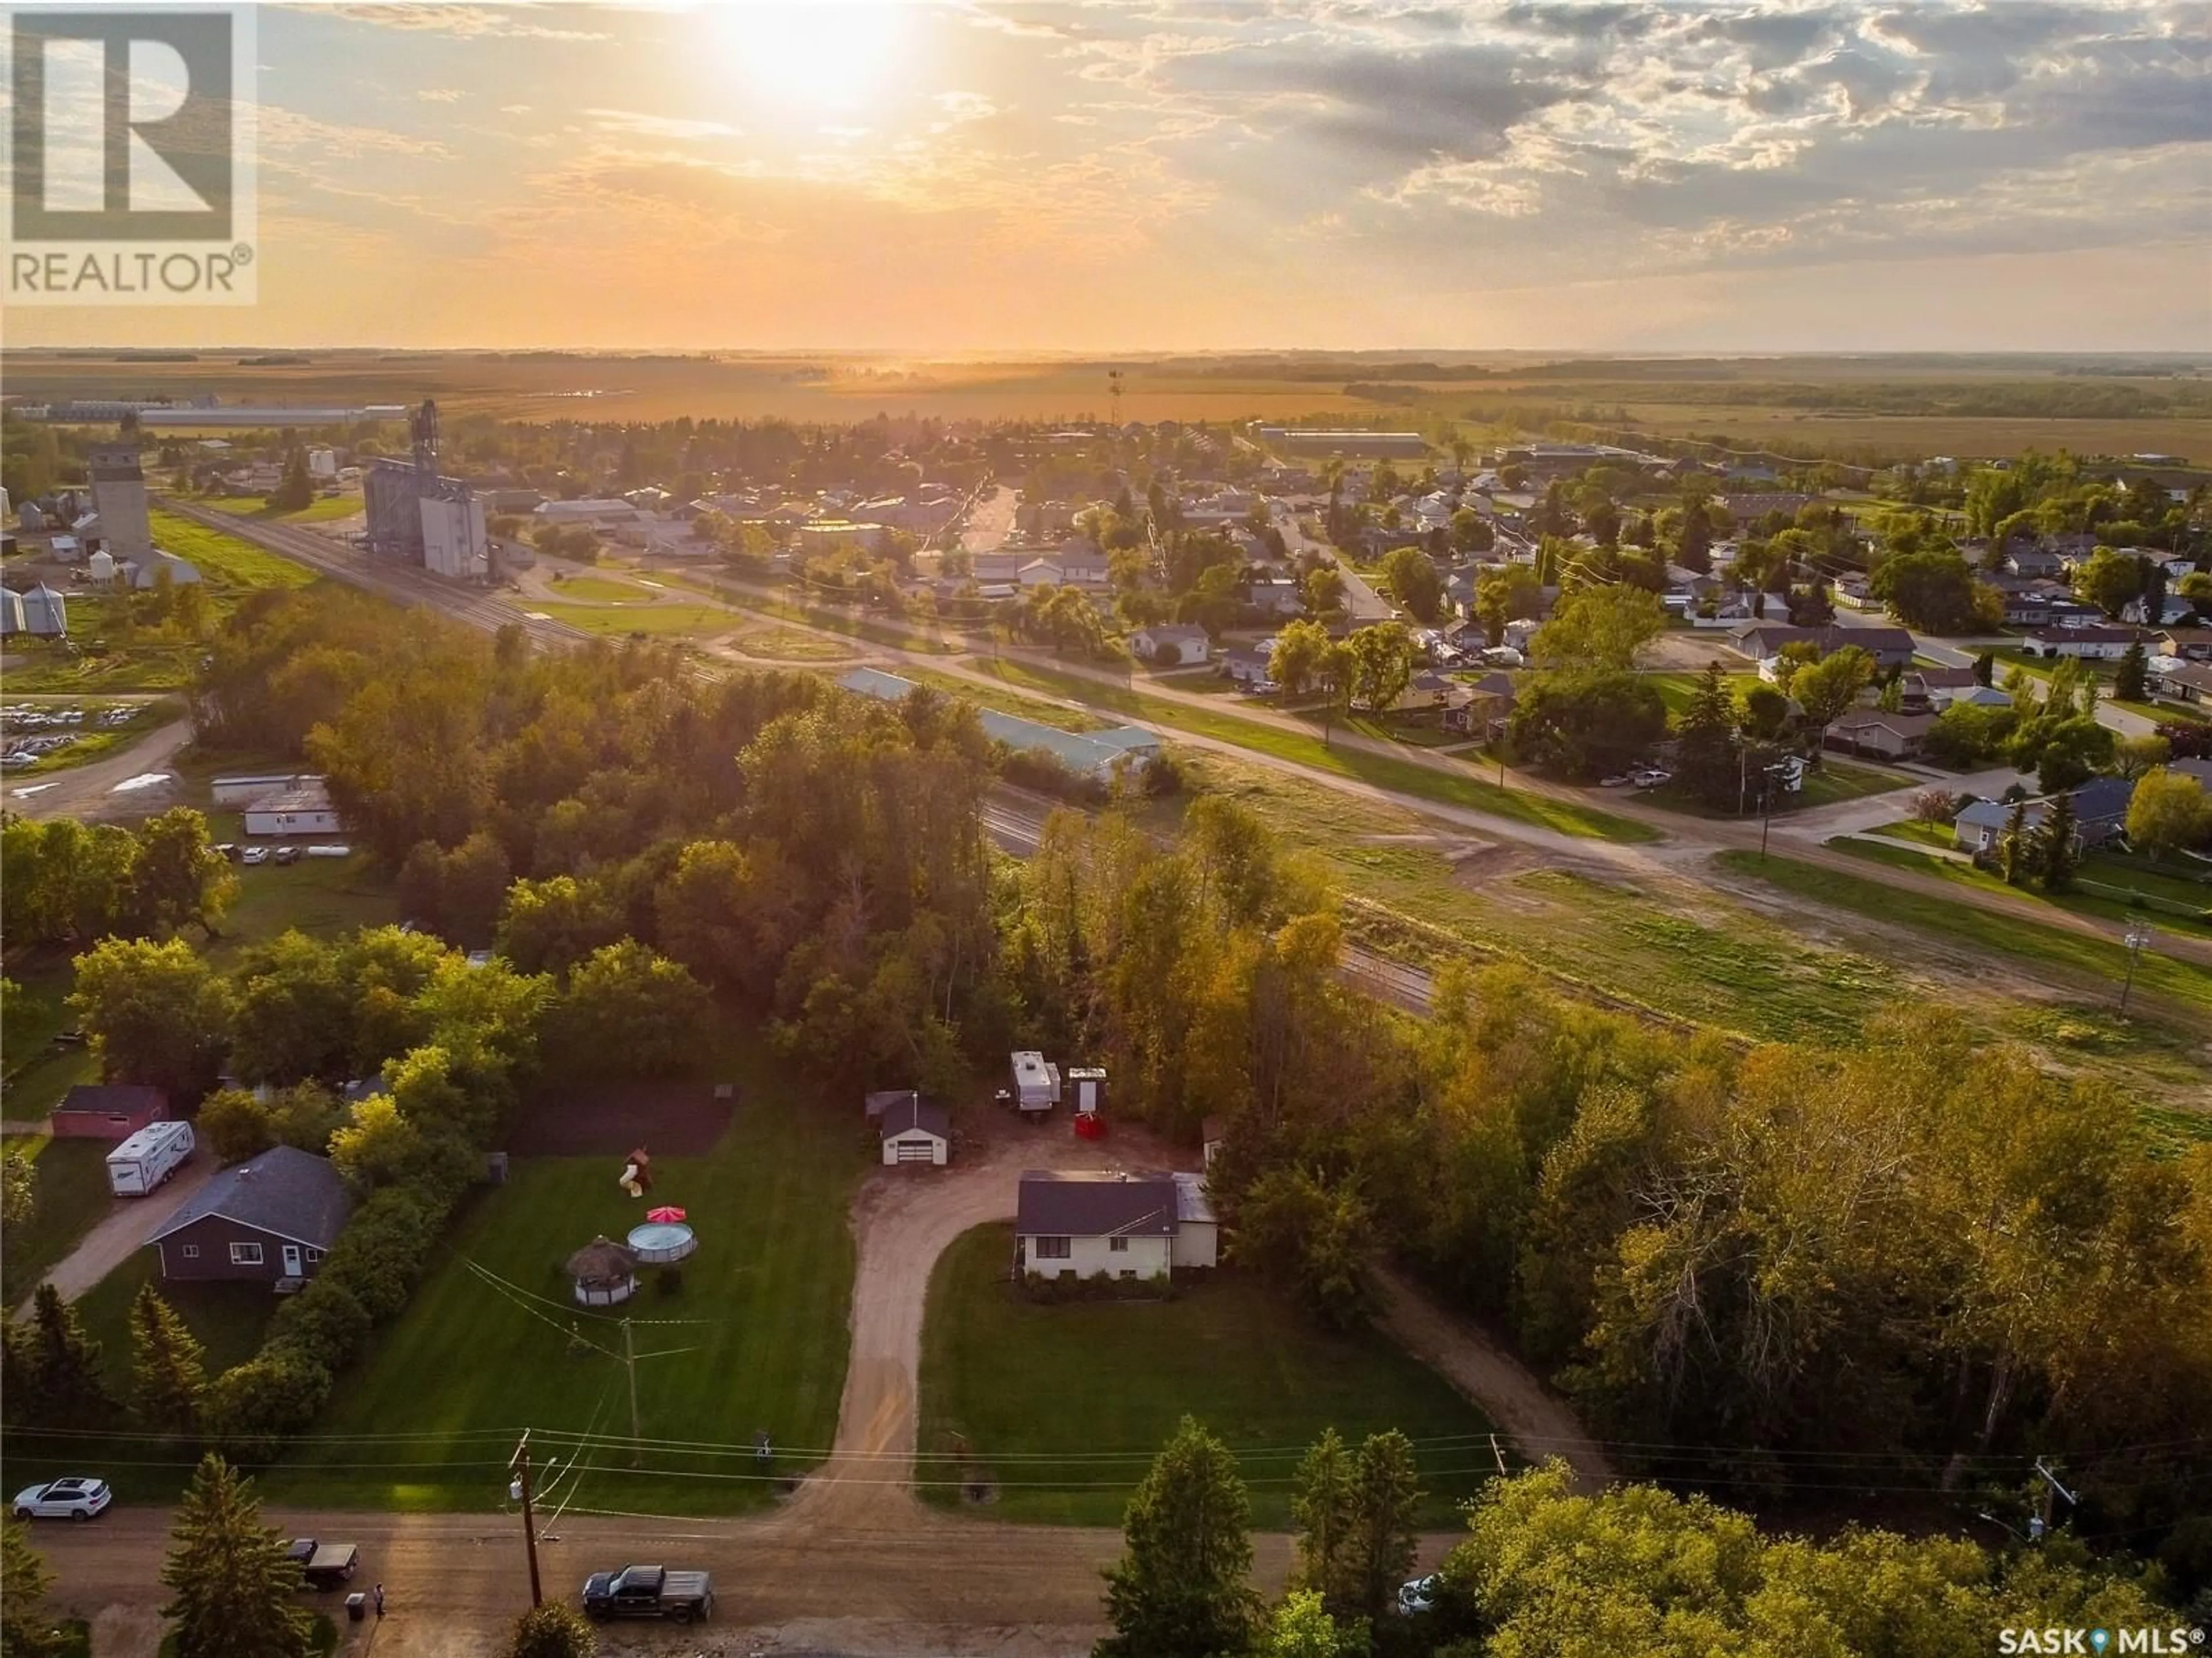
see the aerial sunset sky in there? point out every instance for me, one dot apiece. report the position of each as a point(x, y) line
point(1159, 175)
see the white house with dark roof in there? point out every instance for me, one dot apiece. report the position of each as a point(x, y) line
point(1087, 1222)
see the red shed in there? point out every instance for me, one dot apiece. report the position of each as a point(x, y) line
point(107, 1111)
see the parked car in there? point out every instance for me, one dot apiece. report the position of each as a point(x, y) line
point(254, 855)
point(1652, 778)
point(323, 1565)
point(649, 1591)
point(287, 854)
point(77, 1496)
point(1420, 1594)
point(1619, 780)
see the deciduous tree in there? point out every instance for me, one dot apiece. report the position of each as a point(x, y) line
point(553, 1631)
point(2168, 812)
point(155, 1013)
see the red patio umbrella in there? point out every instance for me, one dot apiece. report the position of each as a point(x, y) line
point(667, 1214)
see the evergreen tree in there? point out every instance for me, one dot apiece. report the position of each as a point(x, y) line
point(1695, 549)
point(1321, 1506)
point(552, 1630)
point(1386, 1496)
point(1179, 1589)
point(1710, 750)
point(26, 1628)
point(2056, 856)
point(234, 1581)
point(2016, 852)
point(1985, 667)
point(167, 1368)
point(69, 1388)
point(297, 489)
point(2131, 678)
point(20, 1391)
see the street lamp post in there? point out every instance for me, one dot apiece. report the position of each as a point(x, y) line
point(1766, 803)
point(2137, 940)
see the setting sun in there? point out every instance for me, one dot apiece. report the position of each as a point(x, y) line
point(831, 57)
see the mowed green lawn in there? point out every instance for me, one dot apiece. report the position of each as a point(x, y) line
point(756, 1339)
point(223, 559)
point(229, 1320)
point(1062, 1407)
point(70, 1198)
point(682, 620)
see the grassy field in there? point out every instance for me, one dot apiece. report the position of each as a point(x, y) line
point(756, 1339)
point(1676, 689)
point(321, 895)
point(225, 560)
point(229, 1320)
point(323, 509)
point(144, 665)
point(2102, 886)
point(1456, 787)
point(677, 621)
point(71, 1197)
point(599, 589)
point(1063, 1406)
point(1920, 834)
point(2182, 985)
point(791, 644)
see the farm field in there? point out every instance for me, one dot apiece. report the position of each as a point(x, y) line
point(1062, 1406)
point(756, 1338)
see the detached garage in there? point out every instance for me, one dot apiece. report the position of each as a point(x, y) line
point(914, 1130)
point(1197, 1240)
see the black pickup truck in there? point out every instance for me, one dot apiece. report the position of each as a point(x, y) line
point(649, 1591)
point(323, 1565)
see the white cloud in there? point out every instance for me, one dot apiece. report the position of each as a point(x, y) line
point(643, 125)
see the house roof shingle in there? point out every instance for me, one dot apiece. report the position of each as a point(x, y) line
point(913, 1111)
point(286, 1191)
point(113, 1096)
point(1094, 1203)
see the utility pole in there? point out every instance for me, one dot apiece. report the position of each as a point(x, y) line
point(629, 1364)
point(521, 1467)
point(1766, 809)
point(2137, 940)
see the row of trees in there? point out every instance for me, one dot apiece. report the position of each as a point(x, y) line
point(1546, 1568)
point(70, 883)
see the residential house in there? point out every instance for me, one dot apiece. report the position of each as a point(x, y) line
point(2100, 812)
point(302, 810)
point(987, 567)
point(2199, 769)
point(1746, 508)
point(1891, 648)
point(2172, 608)
point(1979, 696)
point(914, 1129)
point(270, 1219)
point(2191, 681)
point(1851, 591)
point(1168, 644)
point(1486, 706)
point(107, 1111)
point(1275, 596)
point(2190, 644)
point(1888, 735)
point(1917, 687)
point(1088, 1223)
point(1248, 664)
point(2099, 643)
point(2035, 562)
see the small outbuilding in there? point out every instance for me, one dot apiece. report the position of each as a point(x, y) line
point(914, 1129)
point(605, 1273)
point(107, 1111)
point(1197, 1241)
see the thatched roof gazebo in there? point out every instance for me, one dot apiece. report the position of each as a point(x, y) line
point(605, 1272)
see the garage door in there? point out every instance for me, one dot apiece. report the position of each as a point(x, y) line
point(916, 1151)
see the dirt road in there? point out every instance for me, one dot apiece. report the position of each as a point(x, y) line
point(86, 791)
point(1538, 1425)
point(903, 1221)
point(130, 1222)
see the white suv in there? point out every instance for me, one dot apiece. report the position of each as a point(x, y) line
point(73, 1499)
